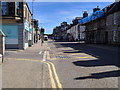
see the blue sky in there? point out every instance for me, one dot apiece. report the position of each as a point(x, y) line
point(51, 14)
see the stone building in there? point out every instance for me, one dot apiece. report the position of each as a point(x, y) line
point(103, 25)
point(94, 27)
point(60, 32)
point(113, 23)
point(16, 24)
point(36, 31)
point(95, 31)
point(75, 32)
point(57, 33)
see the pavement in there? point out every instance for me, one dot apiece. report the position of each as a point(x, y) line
point(25, 69)
point(61, 65)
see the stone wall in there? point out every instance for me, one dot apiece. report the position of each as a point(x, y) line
point(95, 31)
point(112, 27)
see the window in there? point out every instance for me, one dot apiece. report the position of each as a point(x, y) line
point(18, 8)
point(11, 8)
point(114, 36)
point(114, 18)
point(4, 8)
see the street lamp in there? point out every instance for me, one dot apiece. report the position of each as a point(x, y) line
point(32, 22)
point(32, 7)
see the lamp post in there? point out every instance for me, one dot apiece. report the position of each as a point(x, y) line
point(32, 22)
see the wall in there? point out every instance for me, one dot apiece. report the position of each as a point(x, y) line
point(73, 31)
point(21, 36)
point(81, 32)
point(112, 27)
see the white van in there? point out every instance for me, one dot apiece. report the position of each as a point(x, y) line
point(45, 37)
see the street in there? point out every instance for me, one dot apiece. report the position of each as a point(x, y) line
point(58, 64)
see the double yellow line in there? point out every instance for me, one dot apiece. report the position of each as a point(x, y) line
point(55, 82)
point(53, 74)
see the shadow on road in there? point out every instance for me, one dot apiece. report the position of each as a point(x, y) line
point(105, 57)
point(108, 74)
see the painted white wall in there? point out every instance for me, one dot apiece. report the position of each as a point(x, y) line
point(25, 45)
point(29, 36)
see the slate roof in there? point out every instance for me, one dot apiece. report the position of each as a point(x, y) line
point(115, 7)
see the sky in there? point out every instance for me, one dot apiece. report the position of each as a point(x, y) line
point(51, 14)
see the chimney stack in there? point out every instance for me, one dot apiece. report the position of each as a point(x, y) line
point(96, 9)
point(117, 0)
point(85, 14)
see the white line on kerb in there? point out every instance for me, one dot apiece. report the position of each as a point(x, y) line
point(40, 52)
point(44, 56)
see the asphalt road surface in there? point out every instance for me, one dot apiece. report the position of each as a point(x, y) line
point(58, 64)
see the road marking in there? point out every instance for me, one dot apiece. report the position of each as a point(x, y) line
point(83, 57)
point(48, 55)
point(44, 56)
point(40, 52)
point(56, 76)
point(51, 68)
point(51, 76)
point(54, 71)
